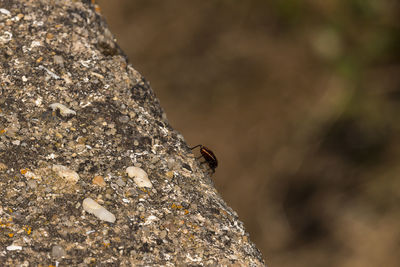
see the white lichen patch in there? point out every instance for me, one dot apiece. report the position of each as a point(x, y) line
point(6, 37)
point(38, 101)
point(150, 220)
point(65, 173)
point(35, 44)
point(92, 207)
point(64, 111)
point(14, 247)
point(139, 176)
point(49, 72)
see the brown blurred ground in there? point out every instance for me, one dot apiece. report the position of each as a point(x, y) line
point(299, 100)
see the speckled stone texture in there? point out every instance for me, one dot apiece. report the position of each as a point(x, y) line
point(73, 116)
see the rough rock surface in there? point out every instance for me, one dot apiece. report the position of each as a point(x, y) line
point(69, 98)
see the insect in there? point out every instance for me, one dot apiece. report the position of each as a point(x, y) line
point(209, 156)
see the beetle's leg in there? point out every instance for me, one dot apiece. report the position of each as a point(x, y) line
point(212, 169)
point(195, 147)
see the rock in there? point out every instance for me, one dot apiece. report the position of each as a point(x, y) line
point(118, 122)
point(3, 166)
point(139, 176)
point(65, 173)
point(120, 182)
point(57, 252)
point(92, 207)
point(32, 184)
point(99, 180)
point(64, 111)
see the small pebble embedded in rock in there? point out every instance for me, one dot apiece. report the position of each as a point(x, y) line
point(32, 184)
point(57, 252)
point(5, 11)
point(120, 182)
point(92, 207)
point(64, 111)
point(3, 166)
point(139, 176)
point(67, 174)
point(99, 180)
point(58, 60)
point(123, 119)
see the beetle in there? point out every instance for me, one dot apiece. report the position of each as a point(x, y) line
point(209, 157)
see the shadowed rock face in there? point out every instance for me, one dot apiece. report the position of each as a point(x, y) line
point(74, 116)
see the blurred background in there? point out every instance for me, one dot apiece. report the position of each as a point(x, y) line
point(299, 100)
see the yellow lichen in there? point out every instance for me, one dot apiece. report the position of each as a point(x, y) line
point(170, 174)
point(144, 189)
point(97, 8)
point(28, 230)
